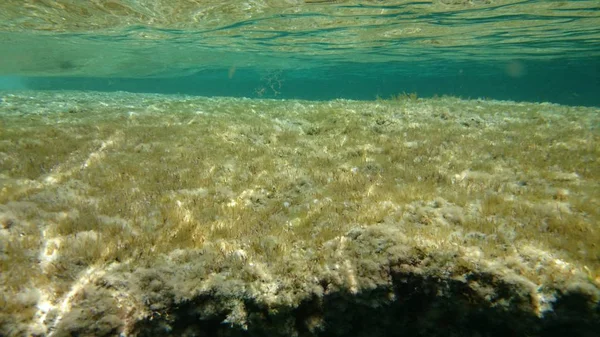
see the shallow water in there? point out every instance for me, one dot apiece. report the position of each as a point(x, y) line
point(517, 50)
point(299, 168)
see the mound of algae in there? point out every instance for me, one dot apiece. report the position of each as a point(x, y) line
point(146, 215)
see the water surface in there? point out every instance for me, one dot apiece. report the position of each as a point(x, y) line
point(521, 50)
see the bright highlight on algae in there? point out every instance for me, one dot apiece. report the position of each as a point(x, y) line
point(149, 215)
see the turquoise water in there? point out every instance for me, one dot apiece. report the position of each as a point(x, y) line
point(512, 50)
point(142, 194)
point(559, 81)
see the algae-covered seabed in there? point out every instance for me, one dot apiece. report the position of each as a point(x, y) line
point(160, 215)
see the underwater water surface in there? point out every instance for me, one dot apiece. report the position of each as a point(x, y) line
point(521, 50)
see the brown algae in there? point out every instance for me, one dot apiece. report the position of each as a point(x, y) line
point(141, 205)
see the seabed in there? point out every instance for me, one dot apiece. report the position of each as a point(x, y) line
point(148, 215)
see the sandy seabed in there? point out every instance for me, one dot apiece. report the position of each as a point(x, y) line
point(149, 215)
